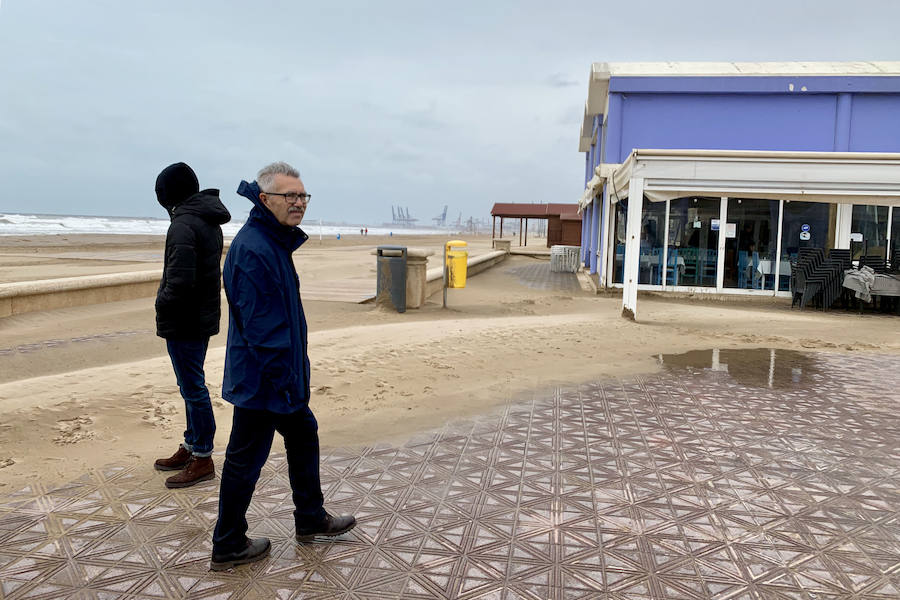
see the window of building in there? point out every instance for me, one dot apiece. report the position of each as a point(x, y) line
point(870, 222)
point(806, 225)
point(621, 215)
point(750, 251)
point(693, 241)
point(653, 230)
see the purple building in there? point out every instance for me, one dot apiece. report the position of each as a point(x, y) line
point(737, 165)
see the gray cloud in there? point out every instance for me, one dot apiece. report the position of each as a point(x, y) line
point(560, 80)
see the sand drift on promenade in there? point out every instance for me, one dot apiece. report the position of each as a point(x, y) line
point(89, 386)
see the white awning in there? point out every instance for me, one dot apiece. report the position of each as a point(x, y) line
point(594, 187)
point(834, 177)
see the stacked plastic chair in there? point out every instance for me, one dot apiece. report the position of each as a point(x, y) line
point(874, 261)
point(820, 282)
point(807, 261)
point(845, 259)
point(841, 262)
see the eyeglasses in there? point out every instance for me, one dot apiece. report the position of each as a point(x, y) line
point(292, 197)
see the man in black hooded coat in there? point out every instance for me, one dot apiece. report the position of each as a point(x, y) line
point(188, 308)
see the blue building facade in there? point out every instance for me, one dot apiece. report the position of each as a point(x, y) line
point(791, 107)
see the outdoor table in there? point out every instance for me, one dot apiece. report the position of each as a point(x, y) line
point(884, 285)
point(648, 261)
point(767, 267)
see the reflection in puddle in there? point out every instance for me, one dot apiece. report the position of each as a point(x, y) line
point(757, 367)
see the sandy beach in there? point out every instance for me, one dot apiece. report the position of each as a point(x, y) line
point(88, 386)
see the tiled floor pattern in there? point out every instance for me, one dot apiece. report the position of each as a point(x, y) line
point(539, 276)
point(685, 484)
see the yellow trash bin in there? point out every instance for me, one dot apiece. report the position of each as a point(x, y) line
point(456, 254)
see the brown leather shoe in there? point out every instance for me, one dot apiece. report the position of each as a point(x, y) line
point(176, 462)
point(197, 470)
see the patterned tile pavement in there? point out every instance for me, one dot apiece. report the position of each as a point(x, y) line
point(539, 276)
point(726, 475)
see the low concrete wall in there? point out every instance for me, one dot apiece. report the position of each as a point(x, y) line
point(475, 265)
point(499, 244)
point(29, 296)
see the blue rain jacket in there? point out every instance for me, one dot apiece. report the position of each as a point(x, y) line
point(266, 364)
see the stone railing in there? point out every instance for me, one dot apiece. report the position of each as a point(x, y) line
point(46, 294)
point(475, 265)
point(64, 292)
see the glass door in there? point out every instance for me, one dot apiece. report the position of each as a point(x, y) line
point(620, 216)
point(653, 228)
point(693, 244)
point(870, 222)
point(805, 225)
point(750, 244)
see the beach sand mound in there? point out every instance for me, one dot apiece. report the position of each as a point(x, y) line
point(87, 386)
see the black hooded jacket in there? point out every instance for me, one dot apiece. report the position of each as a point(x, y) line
point(188, 304)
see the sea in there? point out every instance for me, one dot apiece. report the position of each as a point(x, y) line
point(20, 224)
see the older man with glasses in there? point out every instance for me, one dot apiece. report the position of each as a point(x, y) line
point(267, 370)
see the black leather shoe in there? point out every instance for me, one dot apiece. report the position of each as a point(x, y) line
point(329, 527)
point(256, 549)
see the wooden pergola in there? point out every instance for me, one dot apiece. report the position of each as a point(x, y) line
point(552, 212)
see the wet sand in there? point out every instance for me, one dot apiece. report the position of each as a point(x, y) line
point(87, 386)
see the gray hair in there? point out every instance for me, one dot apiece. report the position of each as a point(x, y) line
point(266, 176)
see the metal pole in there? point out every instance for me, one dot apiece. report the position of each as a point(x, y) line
point(526, 232)
point(445, 276)
point(493, 227)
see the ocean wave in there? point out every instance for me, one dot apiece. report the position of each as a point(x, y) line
point(25, 224)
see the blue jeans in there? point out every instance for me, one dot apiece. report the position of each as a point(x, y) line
point(188, 357)
point(252, 432)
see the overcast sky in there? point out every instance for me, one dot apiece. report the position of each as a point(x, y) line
point(410, 103)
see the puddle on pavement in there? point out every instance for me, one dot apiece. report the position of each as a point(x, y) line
point(756, 367)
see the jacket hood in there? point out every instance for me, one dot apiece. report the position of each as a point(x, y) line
point(289, 237)
point(206, 205)
point(175, 184)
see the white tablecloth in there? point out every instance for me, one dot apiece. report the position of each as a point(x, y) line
point(766, 267)
point(884, 285)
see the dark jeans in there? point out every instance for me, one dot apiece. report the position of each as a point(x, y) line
point(252, 432)
point(187, 360)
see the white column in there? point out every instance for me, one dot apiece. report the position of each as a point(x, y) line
point(633, 245)
point(720, 255)
point(842, 228)
point(778, 245)
point(611, 244)
point(665, 253)
point(890, 232)
point(604, 239)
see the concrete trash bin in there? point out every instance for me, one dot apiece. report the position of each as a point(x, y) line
point(457, 253)
point(391, 286)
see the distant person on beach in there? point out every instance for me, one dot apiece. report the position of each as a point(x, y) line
point(267, 370)
point(188, 307)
